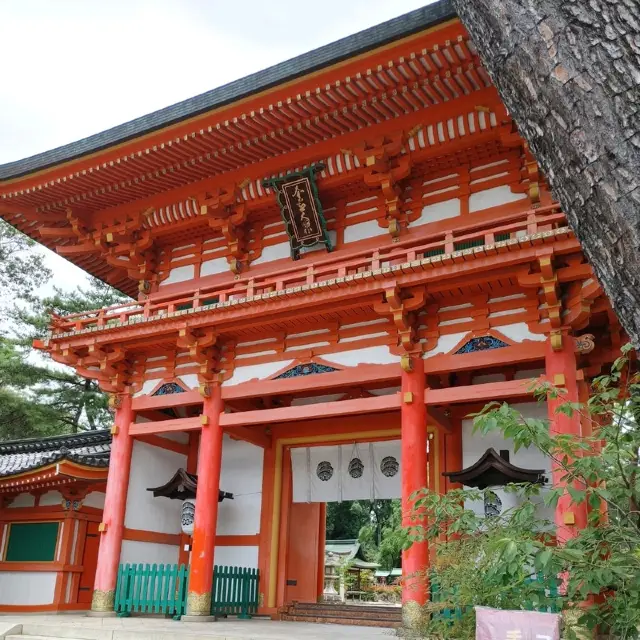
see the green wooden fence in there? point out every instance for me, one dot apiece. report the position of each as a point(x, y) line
point(162, 588)
point(156, 588)
point(234, 592)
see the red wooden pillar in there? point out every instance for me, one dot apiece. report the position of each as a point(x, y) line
point(415, 560)
point(115, 503)
point(561, 371)
point(206, 517)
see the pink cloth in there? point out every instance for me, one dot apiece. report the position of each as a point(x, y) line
point(497, 624)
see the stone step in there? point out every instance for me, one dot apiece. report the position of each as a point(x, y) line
point(33, 637)
point(377, 613)
point(328, 619)
point(65, 631)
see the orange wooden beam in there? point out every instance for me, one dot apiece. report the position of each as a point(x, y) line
point(142, 535)
point(310, 412)
point(164, 426)
point(348, 377)
point(164, 443)
point(188, 398)
point(470, 361)
point(252, 436)
point(480, 392)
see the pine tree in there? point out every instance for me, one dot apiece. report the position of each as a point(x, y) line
point(38, 396)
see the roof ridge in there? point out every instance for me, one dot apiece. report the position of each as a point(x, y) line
point(51, 443)
point(321, 57)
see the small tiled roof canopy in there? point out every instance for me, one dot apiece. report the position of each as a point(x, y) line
point(90, 449)
point(494, 470)
point(183, 486)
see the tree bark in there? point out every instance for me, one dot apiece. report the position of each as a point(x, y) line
point(569, 73)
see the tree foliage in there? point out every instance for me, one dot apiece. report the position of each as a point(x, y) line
point(22, 268)
point(511, 561)
point(38, 396)
point(376, 524)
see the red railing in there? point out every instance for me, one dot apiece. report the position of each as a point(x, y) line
point(325, 268)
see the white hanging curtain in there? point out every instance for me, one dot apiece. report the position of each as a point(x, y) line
point(346, 472)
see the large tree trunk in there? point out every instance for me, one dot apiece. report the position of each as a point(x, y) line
point(568, 71)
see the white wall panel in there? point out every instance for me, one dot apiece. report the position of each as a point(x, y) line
point(274, 252)
point(51, 498)
point(369, 229)
point(27, 587)
point(475, 444)
point(493, 198)
point(151, 467)
point(246, 557)
point(23, 500)
point(180, 274)
point(242, 467)
point(94, 499)
point(134, 552)
point(211, 267)
point(438, 211)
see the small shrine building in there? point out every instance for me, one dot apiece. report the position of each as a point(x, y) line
point(332, 262)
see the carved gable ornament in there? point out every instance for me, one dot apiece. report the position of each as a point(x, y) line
point(301, 210)
point(482, 343)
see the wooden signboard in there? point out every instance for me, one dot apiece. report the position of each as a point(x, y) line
point(300, 208)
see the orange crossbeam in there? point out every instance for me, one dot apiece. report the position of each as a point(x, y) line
point(165, 426)
point(480, 392)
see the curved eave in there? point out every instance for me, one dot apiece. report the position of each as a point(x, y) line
point(283, 72)
point(491, 467)
point(53, 475)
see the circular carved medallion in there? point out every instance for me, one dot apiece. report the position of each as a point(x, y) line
point(389, 466)
point(356, 468)
point(324, 471)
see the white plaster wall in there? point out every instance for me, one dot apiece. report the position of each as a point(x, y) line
point(23, 500)
point(369, 229)
point(50, 498)
point(438, 211)
point(242, 467)
point(211, 267)
point(519, 331)
point(94, 499)
point(475, 444)
point(446, 343)
point(133, 552)
point(246, 557)
point(255, 372)
point(190, 380)
point(151, 467)
point(493, 198)
point(367, 355)
point(147, 387)
point(274, 252)
point(27, 587)
point(180, 274)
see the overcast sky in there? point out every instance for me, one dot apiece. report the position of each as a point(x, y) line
point(71, 68)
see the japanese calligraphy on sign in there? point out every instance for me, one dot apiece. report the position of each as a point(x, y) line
point(495, 624)
point(301, 210)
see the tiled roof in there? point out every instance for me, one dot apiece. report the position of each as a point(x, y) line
point(91, 449)
point(325, 56)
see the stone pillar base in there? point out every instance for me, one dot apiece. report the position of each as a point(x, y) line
point(198, 619)
point(414, 616)
point(103, 601)
point(198, 605)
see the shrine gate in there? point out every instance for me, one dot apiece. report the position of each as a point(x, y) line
point(351, 248)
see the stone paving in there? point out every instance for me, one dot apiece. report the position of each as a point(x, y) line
point(84, 628)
